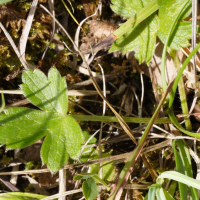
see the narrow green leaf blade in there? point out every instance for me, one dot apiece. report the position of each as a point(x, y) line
point(90, 189)
point(47, 94)
point(83, 176)
point(4, 1)
point(99, 180)
point(187, 165)
point(64, 140)
point(180, 168)
point(167, 195)
point(21, 127)
point(20, 196)
point(179, 177)
point(152, 191)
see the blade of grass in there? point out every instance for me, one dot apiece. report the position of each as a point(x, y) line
point(115, 119)
point(173, 91)
point(172, 188)
point(172, 95)
point(180, 178)
point(186, 160)
point(180, 168)
point(181, 88)
point(152, 191)
point(131, 161)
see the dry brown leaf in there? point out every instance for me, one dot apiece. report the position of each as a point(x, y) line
point(99, 30)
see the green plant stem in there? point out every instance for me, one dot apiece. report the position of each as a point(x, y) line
point(173, 91)
point(181, 89)
point(114, 119)
point(3, 102)
point(144, 13)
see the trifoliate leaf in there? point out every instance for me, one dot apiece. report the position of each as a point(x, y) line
point(47, 94)
point(90, 189)
point(141, 38)
point(20, 196)
point(169, 11)
point(63, 141)
point(21, 127)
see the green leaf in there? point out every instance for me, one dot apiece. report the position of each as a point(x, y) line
point(141, 38)
point(84, 176)
point(152, 191)
point(184, 166)
point(63, 141)
point(99, 180)
point(109, 172)
point(20, 196)
point(162, 194)
point(128, 8)
point(4, 1)
point(179, 177)
point(47, 94)
point(168, 12)
point(180, 168)
point(90, 189)
point(21, 127)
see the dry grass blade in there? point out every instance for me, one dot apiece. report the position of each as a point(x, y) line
point(51, 6)
point(63, 194)
point(79, 68)
point(62, 183)
point(70, 92)
point(121, 121)
point(22, 60)
point(25, 32)
point(111, 158)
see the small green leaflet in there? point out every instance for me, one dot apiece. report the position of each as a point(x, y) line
point(142, 38)
point(90, 189)
point(21, 127)
point(48, 94)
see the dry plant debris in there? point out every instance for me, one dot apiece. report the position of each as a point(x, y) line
point(125, 78)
